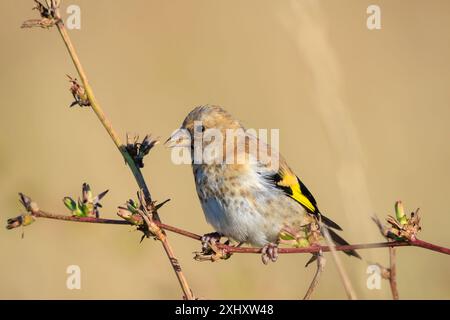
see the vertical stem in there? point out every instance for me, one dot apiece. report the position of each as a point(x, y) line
point(342, 273)
point(100, 113)
point(393, 273)
point(134, 169)
point(315, 281)
point(188, 295)
point(158, 232)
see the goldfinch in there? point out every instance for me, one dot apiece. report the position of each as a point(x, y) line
point(250, 201)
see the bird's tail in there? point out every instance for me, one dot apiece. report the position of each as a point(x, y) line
point(337, 239)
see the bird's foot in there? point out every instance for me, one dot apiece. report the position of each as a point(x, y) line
point(210, 250)
point(269, 253)
point(210, 238)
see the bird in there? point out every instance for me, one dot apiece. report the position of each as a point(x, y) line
point(250, 201)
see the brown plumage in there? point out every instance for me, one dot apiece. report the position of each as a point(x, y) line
point(253, 200)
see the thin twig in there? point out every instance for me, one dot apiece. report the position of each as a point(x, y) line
point(342, 273)
point(393, 273)
point(232, 249)
point(48, 215)
point(315, 281)
point(157, 231)
point(101, 114)
point(129, 160)
point(426, 245)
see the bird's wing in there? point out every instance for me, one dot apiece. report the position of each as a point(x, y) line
point(286, 180)
point(293, 187)
point(281, 176)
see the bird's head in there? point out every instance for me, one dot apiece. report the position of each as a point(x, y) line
point(215, 137)
point(212, 119)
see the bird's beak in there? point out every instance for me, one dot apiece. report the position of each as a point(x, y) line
point(179, 138)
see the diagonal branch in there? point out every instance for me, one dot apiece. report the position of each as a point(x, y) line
point(101, 114)
point(52, 14)
point(342, 273)
point(320, 260)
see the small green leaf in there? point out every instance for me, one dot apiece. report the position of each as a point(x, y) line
point(70, 203)
point(78, 213)
point(302, 243)
point(132, 206)
point(400, 213)
point(286, 236)
point(87, 209)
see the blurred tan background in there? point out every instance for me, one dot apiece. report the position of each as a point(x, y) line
point(363, 118)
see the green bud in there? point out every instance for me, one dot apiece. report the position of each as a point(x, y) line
point(123, 213)
point(78, 213)
point(302, 243)
point(23, 220)
point(27, 219)
point(135, 219)
point(132, 206)
point(70, 203)
point(400, 213)
point(87, 209)
point(286, 236)
point(80, 210)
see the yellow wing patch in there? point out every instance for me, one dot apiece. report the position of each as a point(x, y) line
point(291, 184)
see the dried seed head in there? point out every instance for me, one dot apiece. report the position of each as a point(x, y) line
point(48, 12)
point(138, 150)
point(20, 221)
point(28, 204)
point(78, 93)
point(401, 227)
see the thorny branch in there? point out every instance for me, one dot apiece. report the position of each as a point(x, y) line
point(84, 96)
point(30, 217)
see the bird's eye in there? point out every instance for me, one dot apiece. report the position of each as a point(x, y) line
point(201, 129)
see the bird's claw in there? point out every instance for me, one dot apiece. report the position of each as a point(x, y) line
point(210, 250)
point(209, 238)
point(269, 253)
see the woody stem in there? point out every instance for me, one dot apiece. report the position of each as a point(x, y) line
point(233, 249)
point(129, 160)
